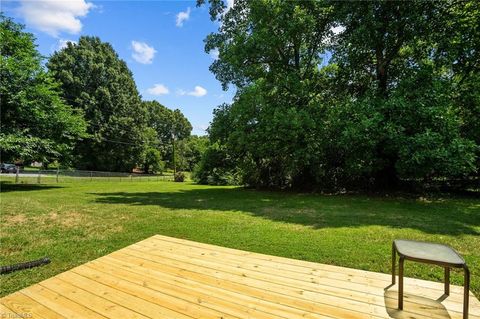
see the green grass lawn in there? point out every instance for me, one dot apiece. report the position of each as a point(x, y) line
point(73, 223)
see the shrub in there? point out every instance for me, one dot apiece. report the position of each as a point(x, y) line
point(179, 177)
point(215, 168)
point(153, 161)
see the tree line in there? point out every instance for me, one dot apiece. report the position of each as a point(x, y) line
point(83, 110)
point(341, 94)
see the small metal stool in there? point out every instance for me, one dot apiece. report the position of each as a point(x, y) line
point(430, 253)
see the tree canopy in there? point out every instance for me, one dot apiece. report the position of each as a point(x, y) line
point(36, 123)
point(169, 125)
point(94, 79)
point(166, 122)
point(342, 95)
point(85, 111)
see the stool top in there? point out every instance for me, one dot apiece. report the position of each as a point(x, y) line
point(429, 252)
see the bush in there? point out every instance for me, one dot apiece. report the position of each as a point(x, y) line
point(153, 161)
point(179, 177)
point(215, 168)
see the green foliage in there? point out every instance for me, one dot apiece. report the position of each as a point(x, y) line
point(167, 122)
point(94, 79)
point(36, 124)
point(153, 161)
point(189, 151)
point(215, 167)
point(398, 100)
point(169, 125)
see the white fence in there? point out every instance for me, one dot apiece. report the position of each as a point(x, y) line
point(65, 176)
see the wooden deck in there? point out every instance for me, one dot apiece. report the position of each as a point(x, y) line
point(164, 277)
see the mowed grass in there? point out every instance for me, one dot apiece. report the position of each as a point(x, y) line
point(73, 223)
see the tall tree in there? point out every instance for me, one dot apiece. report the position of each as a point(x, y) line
point(167, 122)
point(385, 55)
point(36, 124)
point(460, 52)
point(270, 51)
point(95, 79)
point(383, 108)
point(189, 151)
point(170, 126)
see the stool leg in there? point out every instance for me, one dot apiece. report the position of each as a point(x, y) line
point(466, 291)
point(447, 281)
point(393, 263)
point(400, 283)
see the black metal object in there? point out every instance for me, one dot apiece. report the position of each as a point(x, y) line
point(447, 281)
point(26, 265)
point(446, 265)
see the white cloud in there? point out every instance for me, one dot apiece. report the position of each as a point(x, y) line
point(214, 54)
point(142, 52)
point(230, 4)
point(182, 17)
point(202, 127)
point(198, 91)
point(54, 16)
point(332, 35)
point(62, 43)
point(158, 89)
point(337, 30)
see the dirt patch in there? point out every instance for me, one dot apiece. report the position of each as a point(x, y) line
point(104, 232)
point(66, 219)
point(14, 220)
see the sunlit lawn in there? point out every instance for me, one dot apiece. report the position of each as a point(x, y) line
point(76, 222)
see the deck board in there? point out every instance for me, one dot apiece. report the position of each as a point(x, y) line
point(166, 277)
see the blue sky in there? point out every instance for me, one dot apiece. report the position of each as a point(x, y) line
point(161, 41)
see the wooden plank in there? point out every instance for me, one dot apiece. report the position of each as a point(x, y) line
point(428, 289)
point(307, 266)
point(313, 302)
point(59, 303)
point(306, 274)
point(249, 304)
point(131, 302)
point(422, 301)
point(165, 277)
point(25, 307)
point(148, 273)
point(154, 302)
point(332, 293)
point(360, 276)
point(453, 302)
point(154, 290)
point(89, 300)
point(6, 312)
point(328, 310)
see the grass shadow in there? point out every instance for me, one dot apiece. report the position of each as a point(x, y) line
point(12, 187)
point(449, 217)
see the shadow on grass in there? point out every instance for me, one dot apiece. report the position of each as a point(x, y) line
point(449, 217)
point(12, 187)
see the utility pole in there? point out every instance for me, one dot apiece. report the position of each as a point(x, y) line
point(173, 146)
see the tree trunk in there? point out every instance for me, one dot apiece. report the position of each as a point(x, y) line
point(382, 78)
point(381, 70)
